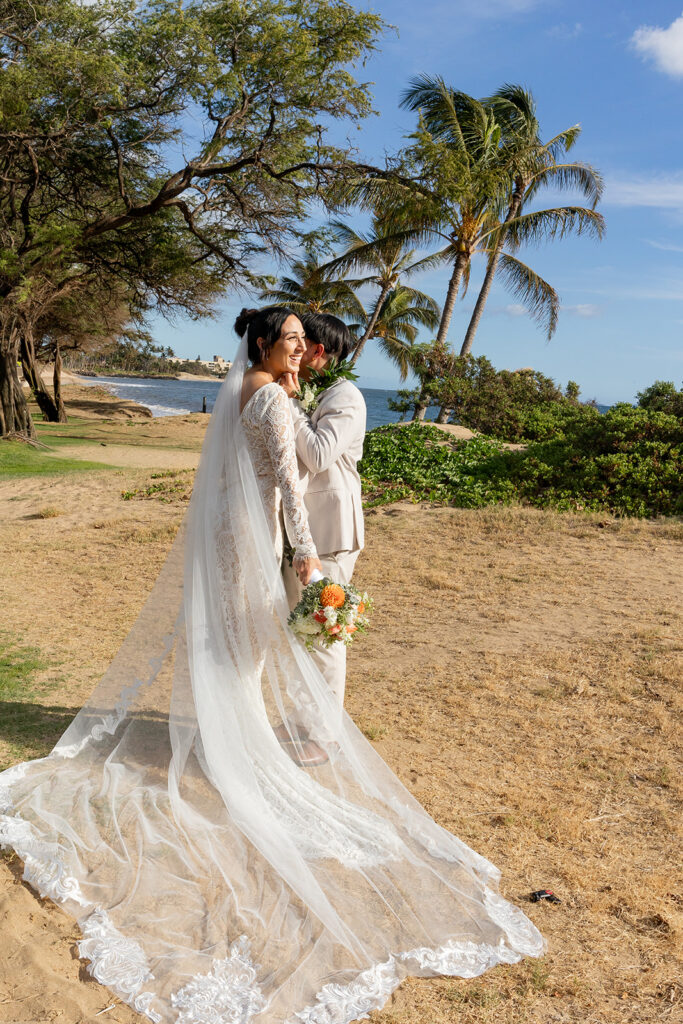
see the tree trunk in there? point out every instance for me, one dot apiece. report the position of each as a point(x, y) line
point(14, 415)
point(488, 279)
point(57, 385)
point(44, 399)
point(371, 326)
point(451, 296)
point(419, 411)
point(444, 414)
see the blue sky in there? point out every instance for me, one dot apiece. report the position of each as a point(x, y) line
point(617, 69)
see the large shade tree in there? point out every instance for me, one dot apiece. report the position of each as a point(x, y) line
point(95, 143)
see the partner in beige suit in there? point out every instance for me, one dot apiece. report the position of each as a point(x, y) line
point(329, 444)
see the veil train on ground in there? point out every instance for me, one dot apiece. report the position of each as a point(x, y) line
point(214, 880)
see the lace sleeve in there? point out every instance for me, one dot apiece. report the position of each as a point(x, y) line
point(278, 434)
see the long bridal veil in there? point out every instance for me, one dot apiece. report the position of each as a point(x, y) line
point(214, 881)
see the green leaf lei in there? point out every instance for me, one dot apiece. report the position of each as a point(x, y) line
point(320, 380)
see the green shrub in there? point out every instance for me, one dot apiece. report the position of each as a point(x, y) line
point(628, 461)
point(662, 396)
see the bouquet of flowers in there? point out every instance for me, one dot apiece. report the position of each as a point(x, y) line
point(330, 613)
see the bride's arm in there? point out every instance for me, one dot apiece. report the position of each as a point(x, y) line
point(279, 439)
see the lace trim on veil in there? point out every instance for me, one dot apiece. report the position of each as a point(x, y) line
point(230, 993)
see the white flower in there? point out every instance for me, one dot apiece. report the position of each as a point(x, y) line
point(330, 616)
point(309, 627)
point(307, 398)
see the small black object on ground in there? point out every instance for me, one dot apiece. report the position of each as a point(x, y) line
point(544, 894)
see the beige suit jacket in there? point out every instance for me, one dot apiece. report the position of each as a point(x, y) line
point(328, 446)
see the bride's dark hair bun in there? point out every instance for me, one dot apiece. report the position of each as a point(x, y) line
point(244, 319)
point(265, 324)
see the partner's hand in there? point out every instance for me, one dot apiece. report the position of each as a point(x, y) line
point(304, 568)
point(290, 382)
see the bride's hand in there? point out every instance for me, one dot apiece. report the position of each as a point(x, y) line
point(290, 382)
point(305, 567)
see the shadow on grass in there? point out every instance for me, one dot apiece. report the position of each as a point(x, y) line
point(19, 459)
point(31, 730)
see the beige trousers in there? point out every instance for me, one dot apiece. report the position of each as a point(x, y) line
point(331, 661)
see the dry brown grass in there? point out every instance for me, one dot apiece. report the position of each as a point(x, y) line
point(521, 679)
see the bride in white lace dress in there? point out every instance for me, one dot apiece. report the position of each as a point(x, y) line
point(214, 880)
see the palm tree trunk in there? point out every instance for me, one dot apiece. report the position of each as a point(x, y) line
point(371, 325)
point(451, 296)
point(488, 279)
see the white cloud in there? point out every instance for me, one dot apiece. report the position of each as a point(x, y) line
point(665, 193)
point(564, 31)
point(583, 309)
point(663, 45)
point(665, 246)
point(514, 309)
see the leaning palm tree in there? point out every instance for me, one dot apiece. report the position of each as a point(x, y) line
point(397, 322)
point(533, 164)
point(466, 148)
point(388, 258)
point(309, 290)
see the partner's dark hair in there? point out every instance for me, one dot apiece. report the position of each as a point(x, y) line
point(263, 323)
point(330, 332)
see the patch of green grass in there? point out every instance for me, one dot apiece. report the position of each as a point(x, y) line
point(18, 665)
point(28, 729)
point(19, 459)
point(172, 485)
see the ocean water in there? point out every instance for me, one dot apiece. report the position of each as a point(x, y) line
point(177, 397)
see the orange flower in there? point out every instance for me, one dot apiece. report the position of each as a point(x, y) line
point(351, 629)
point(332, 596)
point(361, 608)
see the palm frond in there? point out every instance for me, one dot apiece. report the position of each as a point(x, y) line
point(547, 225)
point(399, 351)
point(437, 104)
point(540, 298)
point(579, 176)
point(562, 142)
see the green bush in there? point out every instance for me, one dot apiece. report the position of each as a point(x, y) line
point(662, 396)
point(628, 461)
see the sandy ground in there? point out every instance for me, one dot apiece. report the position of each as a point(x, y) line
point(521, 678)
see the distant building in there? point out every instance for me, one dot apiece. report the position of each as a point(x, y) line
point(216, 365)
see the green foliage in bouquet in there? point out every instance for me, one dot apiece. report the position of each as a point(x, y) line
point(330, 613)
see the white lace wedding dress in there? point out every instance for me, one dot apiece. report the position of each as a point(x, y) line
point(214, 881)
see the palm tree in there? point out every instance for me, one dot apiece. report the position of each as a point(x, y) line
point(465, 147)
point(388, 258)
point(533, 164)
point(402, 312)
point(309, 290)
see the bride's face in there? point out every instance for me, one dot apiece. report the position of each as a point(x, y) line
point(285, 355)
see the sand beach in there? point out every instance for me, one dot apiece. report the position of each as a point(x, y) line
point(522, 678)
